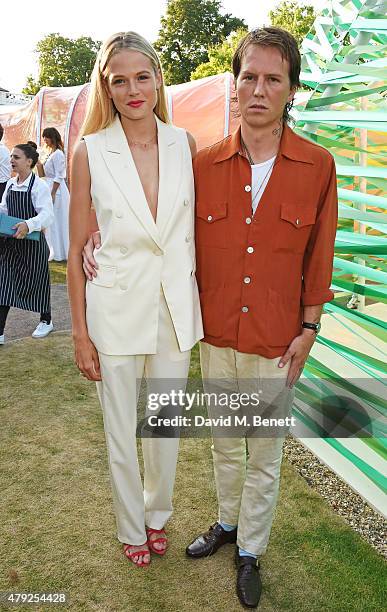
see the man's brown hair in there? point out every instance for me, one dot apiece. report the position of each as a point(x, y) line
point(281, 40)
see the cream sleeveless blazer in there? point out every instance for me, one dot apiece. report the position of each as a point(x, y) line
point(137, 255)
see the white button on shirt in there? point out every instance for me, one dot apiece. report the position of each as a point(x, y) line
point(41, 201)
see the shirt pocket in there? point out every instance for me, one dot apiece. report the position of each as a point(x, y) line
point(106, 276)
point(295, 226)
point(211, 222)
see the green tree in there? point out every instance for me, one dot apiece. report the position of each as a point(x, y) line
point(188, 29)
point(63, 62)
point(220, 56)
point(293, 17)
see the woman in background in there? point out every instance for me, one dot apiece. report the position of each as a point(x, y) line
point(24, 273)
point(5, 164)
point(54, 169)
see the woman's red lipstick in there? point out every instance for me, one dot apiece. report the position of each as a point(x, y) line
point(136, 103)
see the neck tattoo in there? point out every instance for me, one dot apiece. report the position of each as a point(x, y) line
point(278, 131)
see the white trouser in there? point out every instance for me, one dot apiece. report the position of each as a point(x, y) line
point(136, 506)
point(247, 483)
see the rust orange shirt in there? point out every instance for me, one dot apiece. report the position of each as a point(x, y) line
point(255, 273)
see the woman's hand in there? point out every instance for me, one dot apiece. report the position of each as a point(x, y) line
point(90, 266)
point(86, 358)
point(21, 230)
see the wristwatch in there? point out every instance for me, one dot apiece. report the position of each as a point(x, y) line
point(315, 326)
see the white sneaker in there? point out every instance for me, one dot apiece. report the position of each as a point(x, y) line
point(2, 339)
point(43, 329)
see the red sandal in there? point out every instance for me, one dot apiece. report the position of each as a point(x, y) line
point(162, 539)
point(136, 553)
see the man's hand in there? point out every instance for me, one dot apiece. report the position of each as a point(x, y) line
point(297, 352)
point(21, 230)
point(90, 266)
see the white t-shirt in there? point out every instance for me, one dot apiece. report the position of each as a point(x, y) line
point(41, 201)
point(260, 174)
point(5, 164)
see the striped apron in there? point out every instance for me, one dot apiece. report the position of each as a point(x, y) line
point(24, 273)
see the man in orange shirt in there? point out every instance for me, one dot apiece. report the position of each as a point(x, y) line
point(266, 215)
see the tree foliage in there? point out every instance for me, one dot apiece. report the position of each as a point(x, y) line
point(293, 17)
point(289, 15)
point(188, 29)
point(220, 56)
point(63, 62)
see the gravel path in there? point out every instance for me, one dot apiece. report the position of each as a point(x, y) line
point(21, 323)
point(342, 499)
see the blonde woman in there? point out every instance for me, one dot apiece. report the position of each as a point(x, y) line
point(140, 315)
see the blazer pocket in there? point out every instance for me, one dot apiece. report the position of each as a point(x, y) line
point(106, 276)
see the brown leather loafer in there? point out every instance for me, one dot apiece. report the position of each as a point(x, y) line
point(209, 542)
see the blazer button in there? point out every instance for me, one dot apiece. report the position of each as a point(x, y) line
point(247, 280)
point(186, 202)
point(250, 249)
point(123, 250)
point(119, 215)
point(209, 218)
point(247, 187)
point(248, 220)
point(245, 309)
point(188, 238)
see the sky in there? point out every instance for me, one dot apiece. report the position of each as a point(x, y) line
point(31, 21)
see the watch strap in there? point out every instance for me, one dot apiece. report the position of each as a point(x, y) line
point(314, 326)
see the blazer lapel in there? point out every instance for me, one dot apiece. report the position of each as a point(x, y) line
point(120, 163)
point(170, 169)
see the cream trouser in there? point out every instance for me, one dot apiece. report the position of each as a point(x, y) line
point(136, 505)
point(247, 484)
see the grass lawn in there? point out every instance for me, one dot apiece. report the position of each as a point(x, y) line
point(58, 272)
point(58, 531)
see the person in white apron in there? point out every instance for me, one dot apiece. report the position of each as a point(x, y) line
point(141, 314)
point(54, 170)
point(24, 272)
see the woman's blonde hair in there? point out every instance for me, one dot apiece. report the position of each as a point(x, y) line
point(100, 110)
